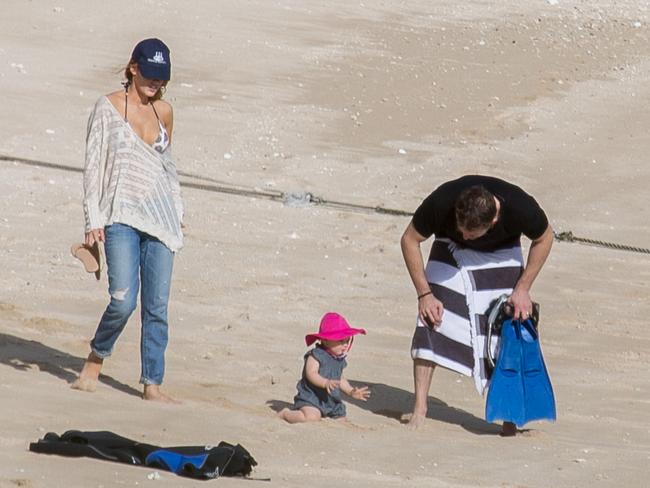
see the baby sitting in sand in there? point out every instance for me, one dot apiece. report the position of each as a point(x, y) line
point(319, 390)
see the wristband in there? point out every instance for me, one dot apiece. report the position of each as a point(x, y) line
point(425, 294)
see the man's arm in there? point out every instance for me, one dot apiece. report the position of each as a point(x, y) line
point(429, 307)
point(539, 250)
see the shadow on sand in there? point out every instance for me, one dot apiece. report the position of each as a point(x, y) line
point(277, 405)
point(395, 403)
point(23, 354)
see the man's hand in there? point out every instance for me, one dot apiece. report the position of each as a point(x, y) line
point(431, 310)
point(429, 307)
point(521, 302)
point(539, 251)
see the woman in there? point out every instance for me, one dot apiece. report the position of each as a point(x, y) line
point(132, 204)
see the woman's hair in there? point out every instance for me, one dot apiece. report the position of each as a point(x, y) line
point(475, 208)
point(129, 79)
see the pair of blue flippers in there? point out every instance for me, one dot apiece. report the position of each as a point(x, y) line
point(520, 388)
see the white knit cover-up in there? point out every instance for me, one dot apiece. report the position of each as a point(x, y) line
point(128, 181)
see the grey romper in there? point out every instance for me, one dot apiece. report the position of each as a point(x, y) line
point(330, 367)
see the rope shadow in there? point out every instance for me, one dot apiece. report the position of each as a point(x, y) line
point(23, 354)
point(284, 197)
point(394, 403)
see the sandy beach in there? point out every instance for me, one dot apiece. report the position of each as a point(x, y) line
point(369, 104)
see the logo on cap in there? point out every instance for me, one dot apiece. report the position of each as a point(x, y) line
point(158, 58)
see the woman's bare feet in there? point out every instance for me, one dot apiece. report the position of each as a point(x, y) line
point(89, 375)
point(153, 393)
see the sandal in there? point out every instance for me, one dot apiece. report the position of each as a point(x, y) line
point(89, 256)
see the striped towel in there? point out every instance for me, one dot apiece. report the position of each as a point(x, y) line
point(466, 282)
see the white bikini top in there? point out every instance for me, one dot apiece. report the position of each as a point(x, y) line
point(162, 141)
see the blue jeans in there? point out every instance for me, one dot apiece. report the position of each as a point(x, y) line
point(133, 257)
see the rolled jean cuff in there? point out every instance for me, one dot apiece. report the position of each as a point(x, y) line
point(100, 355)
point(147, 381)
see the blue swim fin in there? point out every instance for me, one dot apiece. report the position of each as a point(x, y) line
point(505, 400)
point(538, 393)
point(520, 389)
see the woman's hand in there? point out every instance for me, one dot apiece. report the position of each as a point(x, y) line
point(94, 235)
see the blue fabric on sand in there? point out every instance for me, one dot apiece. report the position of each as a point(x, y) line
point(330, 367)
point(173, 461)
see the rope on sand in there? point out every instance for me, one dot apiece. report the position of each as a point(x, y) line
point(289, 199)
point(306, 199)
point(569, 237)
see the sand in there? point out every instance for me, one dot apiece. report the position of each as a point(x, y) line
point(366, 103)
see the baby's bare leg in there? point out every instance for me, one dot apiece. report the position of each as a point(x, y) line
point(305, 414)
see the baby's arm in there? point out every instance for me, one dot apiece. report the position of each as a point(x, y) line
point(357, 393)
point(311, 373)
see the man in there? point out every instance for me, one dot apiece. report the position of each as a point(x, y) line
point(476, 256)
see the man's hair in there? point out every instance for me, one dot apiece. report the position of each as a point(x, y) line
point(475, 208)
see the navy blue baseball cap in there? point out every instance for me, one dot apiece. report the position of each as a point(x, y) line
point(152, 56)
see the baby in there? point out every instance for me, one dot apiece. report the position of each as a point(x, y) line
point(319, 390)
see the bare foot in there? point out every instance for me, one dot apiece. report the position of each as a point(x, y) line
point(89, 375)
point(416, 421)
point(508, 430)
point(283, 413)
point(304, 414)
point(84, 384)
point(292, 416)
point(153, 393)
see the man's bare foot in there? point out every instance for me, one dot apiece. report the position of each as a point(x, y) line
point(508, 430)
point(416, 421)
point(89, 375)
point(153, 393)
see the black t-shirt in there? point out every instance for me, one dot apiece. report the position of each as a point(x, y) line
point(519, 214)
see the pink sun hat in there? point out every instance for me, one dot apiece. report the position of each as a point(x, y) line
point(333, 327)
